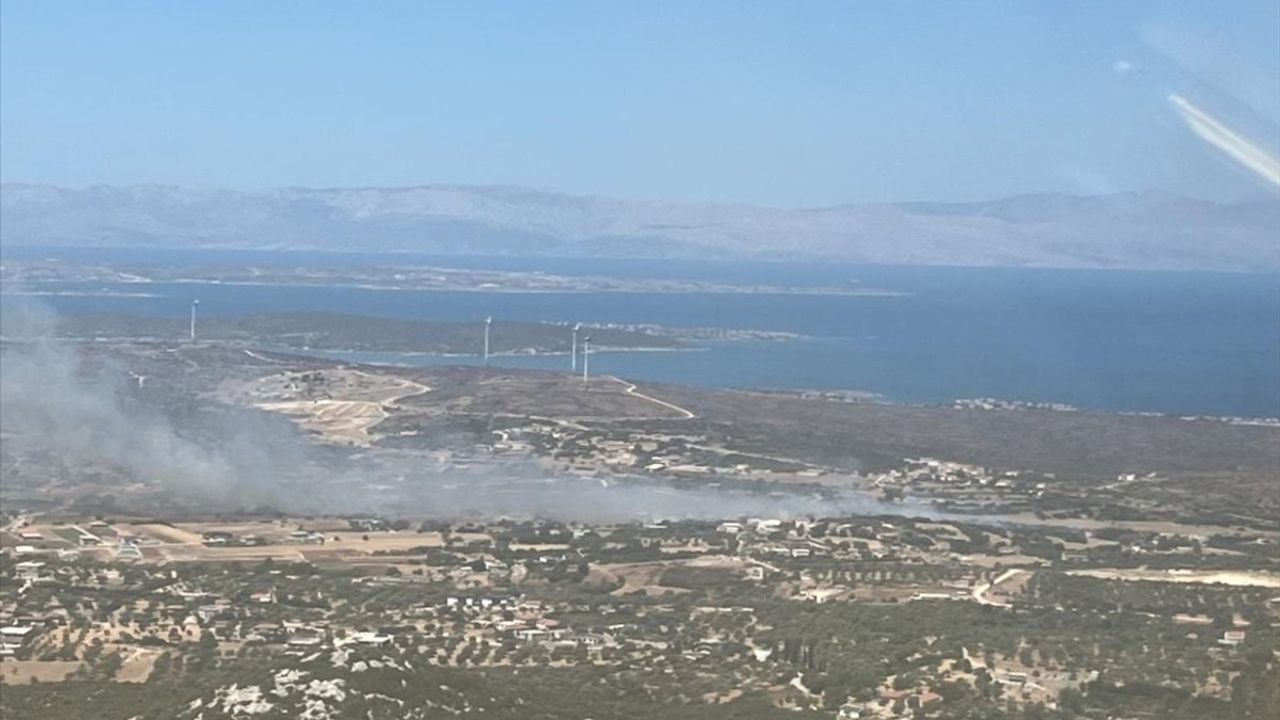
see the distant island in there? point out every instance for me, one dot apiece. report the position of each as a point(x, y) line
point(1147, 230)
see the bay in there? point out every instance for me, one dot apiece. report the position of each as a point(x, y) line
point(1172, 342)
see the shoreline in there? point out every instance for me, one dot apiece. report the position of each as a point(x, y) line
point(506, 354)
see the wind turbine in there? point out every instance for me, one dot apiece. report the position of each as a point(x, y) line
point(573, 361)
point(194, 304)
point(586, 358)
point(487, 322)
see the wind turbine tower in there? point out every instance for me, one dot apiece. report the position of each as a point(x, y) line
point(194, 305)
point(586, 358)
point(487, 322)
point(573, 355)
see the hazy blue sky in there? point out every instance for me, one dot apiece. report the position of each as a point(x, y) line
point(786, 103)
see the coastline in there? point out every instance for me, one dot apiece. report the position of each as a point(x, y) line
point(503, 354)
point(640, 287)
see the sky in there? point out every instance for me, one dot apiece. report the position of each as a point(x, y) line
point(795, 103)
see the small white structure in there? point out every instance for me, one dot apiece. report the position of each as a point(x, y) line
point(13, 637)
point(1232, 637)
point(29, 569)
point(370, 638)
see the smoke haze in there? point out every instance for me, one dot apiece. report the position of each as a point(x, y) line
point(54, 399)
point(62, 401)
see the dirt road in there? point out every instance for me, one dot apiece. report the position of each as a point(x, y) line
point(631, 390)
point(980, 590)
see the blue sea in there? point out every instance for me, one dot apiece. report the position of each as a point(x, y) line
point(1174, 342)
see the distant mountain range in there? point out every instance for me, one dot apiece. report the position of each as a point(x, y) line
point(1130, 230)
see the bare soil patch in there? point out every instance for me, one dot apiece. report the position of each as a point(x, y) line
point(1237, 578)
point(22, 672)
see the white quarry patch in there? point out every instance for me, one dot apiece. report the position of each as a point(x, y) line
point(385, 698)
point(318, 693)
point(286, 681)
point(290, 676)
point(240, 701)
point(315, 710)
point(359, 666)
point(331, 689)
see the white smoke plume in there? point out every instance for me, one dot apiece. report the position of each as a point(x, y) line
point(53, 400)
